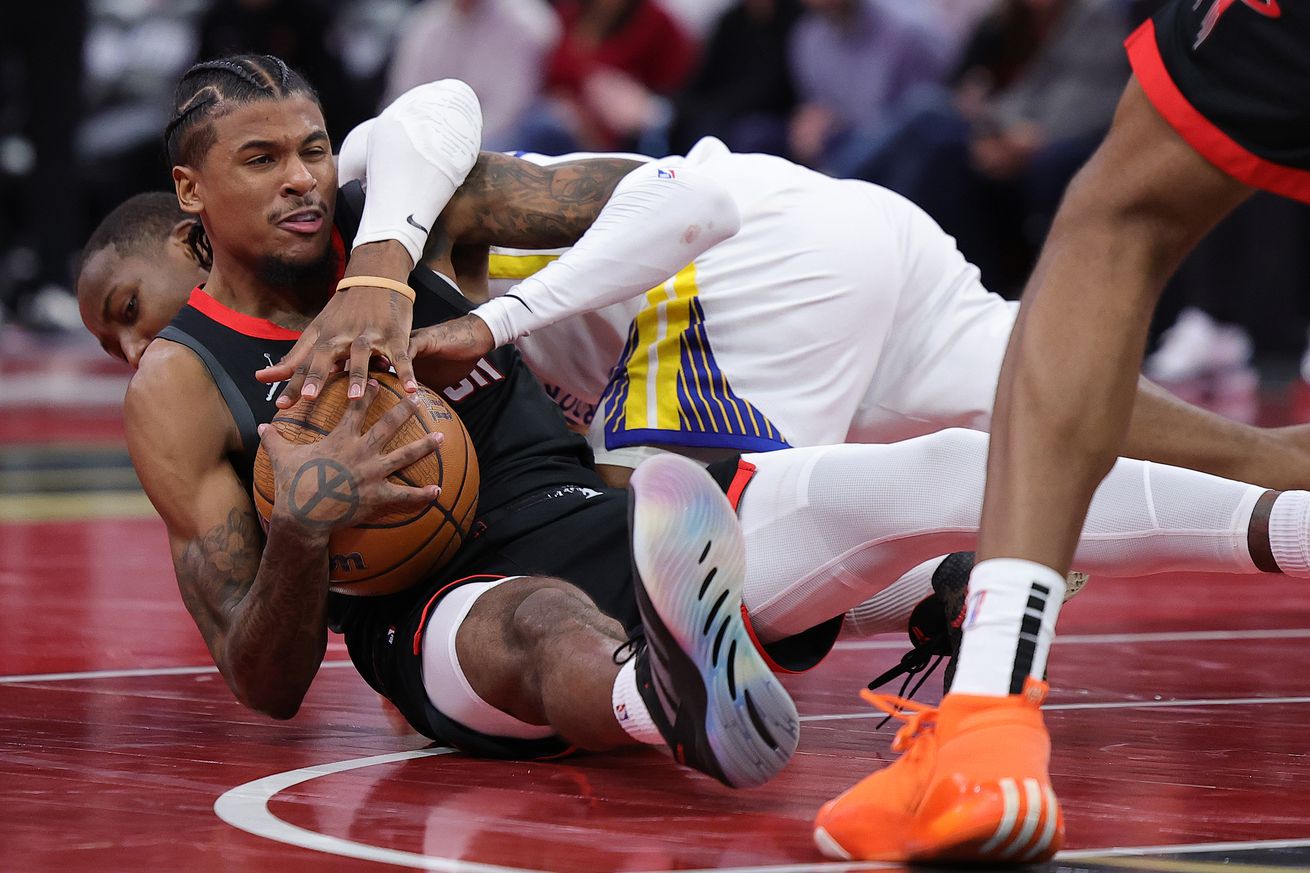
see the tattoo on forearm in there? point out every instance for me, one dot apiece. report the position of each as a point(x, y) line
point(323, 492)
point(223, 561)
point(517, 203)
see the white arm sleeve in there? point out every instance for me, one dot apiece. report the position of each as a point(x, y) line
point(352, 160)
point(658, 220)
point(420, 149)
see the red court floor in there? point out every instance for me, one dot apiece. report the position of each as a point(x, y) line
point(1179, 713)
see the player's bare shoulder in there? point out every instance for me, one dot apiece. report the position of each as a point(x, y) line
point(174, 416)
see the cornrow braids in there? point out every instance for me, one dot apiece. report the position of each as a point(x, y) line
point(210, 89)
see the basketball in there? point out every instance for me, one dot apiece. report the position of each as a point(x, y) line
point(394, 550)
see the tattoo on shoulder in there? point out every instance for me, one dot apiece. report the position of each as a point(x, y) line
point(518, 203)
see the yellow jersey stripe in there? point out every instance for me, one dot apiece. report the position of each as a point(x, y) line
point(502, 266)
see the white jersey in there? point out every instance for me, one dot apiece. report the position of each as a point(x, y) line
point(805, 328)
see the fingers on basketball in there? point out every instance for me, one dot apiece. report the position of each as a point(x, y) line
point(427, 504)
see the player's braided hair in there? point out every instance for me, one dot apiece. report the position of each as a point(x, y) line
point(212, 88)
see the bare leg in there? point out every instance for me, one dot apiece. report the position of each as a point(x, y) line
point(1066, 387)
point(540, 650)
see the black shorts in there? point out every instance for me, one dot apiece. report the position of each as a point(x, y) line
point(572, 533)
point(1233, 78)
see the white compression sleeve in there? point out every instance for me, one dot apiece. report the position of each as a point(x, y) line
point(827, 528)
point(658, 220)
point(352, 159)
point(420, 149)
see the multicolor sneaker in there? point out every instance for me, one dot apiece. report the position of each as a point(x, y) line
point(972, 784)
point(714, 700)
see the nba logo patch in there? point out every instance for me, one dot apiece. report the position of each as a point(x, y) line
point(665, 174)
point(971, 613)
point(621, 712)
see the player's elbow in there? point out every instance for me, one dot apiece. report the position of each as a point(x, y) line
point(281, 704)
point(277, 696)
point(721, 213)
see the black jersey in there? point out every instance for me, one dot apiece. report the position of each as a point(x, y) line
point(522, 441)
point(533, 470)
point(1233, 78)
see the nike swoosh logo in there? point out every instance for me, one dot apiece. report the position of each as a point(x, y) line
point(413, 223)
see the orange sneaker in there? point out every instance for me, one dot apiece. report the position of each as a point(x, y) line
point(972, 784)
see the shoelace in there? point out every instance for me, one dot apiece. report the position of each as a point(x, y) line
point(631, 647)
point(919, 718)
point(911, 664)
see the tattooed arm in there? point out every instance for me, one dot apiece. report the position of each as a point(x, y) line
point(259, 603)
point(631, 226)
point(507, 201)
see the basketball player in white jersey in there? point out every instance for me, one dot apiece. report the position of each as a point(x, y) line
point(724, 302)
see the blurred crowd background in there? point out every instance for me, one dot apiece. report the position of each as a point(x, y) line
point(980, 111)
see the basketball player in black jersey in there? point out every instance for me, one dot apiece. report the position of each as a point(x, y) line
point(251, 159)
point(1218, 106)
point(536, 649)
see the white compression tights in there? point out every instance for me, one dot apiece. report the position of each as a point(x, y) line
point(828, 528)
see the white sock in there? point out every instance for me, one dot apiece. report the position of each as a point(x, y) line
point(889, 610)
point(630, 709)
point(1289, 533)
point(1009, 626)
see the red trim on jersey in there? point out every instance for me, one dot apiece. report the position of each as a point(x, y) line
point(759, 647)
point(742, 478)
point(423, 619)
point(1200, 133)
point(260, 328)
point(745, 472)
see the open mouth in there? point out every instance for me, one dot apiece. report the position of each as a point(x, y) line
point(304, 221)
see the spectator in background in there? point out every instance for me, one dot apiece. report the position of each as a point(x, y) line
point(853, 61)
point(499, 47)
point(743, 92)
point(610, 76)
point(300, 33)
point(41, 64)
point(1035, 90)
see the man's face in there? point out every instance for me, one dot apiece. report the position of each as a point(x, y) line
point(127, 299)
point(266, 188)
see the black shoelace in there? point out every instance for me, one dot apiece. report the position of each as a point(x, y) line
point(918, 660)
point(630, 648)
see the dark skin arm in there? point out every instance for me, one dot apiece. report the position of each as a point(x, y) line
point(259, 603)
point(503, 201)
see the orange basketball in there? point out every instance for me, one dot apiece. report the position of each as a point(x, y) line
point(397, 549)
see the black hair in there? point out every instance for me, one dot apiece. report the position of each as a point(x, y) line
point(210, 89)
point(141, 221)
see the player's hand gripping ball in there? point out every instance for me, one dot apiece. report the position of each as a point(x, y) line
point(392, 551)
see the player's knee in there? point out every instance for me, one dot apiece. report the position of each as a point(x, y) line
point(548, 608)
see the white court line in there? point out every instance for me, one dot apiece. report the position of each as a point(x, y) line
point(127, 674)
point(1108, 704)
point(1187, 849)
point(245, 808)
point(1114, 639)
point(1071, 639)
